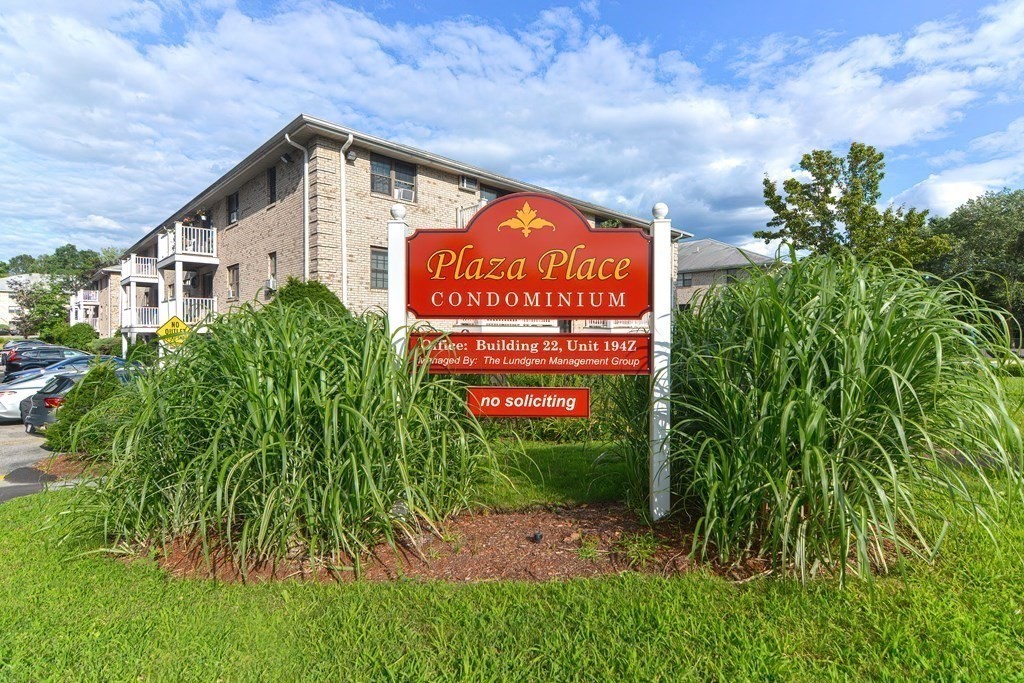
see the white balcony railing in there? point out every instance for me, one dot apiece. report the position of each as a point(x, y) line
point(146, 316)
point(138, 266)
point(196, 310)
point(94, 322)
point(187, 240)
point(89, 295)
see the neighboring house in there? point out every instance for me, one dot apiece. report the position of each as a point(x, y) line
point(9, 310)
point(99, 303)
point(707, 262)
point(314, 201)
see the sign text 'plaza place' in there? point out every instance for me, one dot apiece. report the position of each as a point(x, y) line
point(529, 256)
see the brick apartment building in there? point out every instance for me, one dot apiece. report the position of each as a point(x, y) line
point(312, 202)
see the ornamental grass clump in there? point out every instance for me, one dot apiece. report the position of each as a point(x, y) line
point(822, 411)
point(288, 431)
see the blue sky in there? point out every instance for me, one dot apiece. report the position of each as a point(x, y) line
point(114, 113)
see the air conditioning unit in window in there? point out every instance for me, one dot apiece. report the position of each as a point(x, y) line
point(405, 194)
point(468, 183)
point(270, 284)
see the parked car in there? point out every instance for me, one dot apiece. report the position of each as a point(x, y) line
point(11, 395)
point(38, 357)
point(38, 409)
point(77, 363)
point(19, 344)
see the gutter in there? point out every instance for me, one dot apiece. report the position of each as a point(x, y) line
point(344, 220)
point(305, 206)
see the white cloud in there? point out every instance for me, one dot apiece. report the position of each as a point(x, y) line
point(113, 114)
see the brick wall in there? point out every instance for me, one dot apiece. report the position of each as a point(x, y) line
point(261, 228)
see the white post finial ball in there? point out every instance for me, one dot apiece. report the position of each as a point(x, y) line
point(660, 210)
point(398, 212)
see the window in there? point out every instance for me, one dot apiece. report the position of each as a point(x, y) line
point(233, 281)
point(272, 184)
point(272, 265)
point(232, 207)
point(378, 268)
point(731, 274)
point(468, 183)
point(685, 280)
point(392, 177)
point(489, 194)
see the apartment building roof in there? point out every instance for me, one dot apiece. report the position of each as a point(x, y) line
point(7, 283)
point(304, 127)
point(707, 254)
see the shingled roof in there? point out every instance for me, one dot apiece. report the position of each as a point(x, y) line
point(708, 254)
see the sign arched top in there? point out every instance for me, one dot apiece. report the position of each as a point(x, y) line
point(529, 255)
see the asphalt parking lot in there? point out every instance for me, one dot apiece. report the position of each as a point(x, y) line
point(18, 453)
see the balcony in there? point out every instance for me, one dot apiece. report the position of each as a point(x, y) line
point(187, 243)
point(140, 316)
point(139, 267)
point(93, 322)
point(88, 296)
point(197, 310)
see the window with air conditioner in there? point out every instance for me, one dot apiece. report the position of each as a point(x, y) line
point(232, 207)
point(392, 177)
point(469, 183)
point(271, 283)
point(233, 282)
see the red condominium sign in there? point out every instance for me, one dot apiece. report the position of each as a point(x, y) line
point(529, 255)
point(528, 402)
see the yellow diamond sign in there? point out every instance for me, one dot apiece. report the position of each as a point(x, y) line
point(173, 332)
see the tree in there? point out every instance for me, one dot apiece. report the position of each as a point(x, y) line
point(837, 209)
point(71, 264)
point(110, 256)
point(22, 265)
point(42, 304)
point(987, 234)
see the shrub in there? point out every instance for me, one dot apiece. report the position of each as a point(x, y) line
point(289, 429)
point(309, 292)
point(55, 333)
point(822, 411)
point(98, 384)
point(81, 336)
point(106, 346)
point(143, 352)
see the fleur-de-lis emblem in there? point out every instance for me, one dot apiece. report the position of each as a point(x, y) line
point(526, 220)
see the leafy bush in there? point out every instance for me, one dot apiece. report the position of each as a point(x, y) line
point(78, 336)
point(143, 352)
point(311, 292)
point(98, 384)
point(284, 429)
point(821, 411)
point(106, 346)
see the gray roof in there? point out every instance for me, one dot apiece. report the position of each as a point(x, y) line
point(708, 254)
point(7, 283)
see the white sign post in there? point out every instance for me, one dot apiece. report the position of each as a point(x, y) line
point(661, 355)
point(398, 268)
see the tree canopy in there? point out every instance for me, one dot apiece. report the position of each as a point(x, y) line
point(837, 210)
point(987, 236)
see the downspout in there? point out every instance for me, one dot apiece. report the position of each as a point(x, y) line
point(305, 206)
point(344, 221)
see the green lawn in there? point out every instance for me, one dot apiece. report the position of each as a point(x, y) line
point(65, 615)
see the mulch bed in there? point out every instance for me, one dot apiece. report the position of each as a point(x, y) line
point(534, 545)
point(65, 466)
